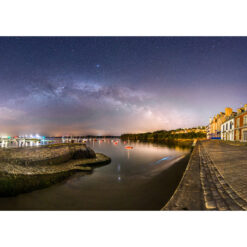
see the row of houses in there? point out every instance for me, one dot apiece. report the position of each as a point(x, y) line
point(229, 125)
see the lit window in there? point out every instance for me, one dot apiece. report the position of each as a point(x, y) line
point(245, 120)
point(238, 122)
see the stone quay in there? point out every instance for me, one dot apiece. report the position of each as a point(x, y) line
point(215, 178)
point(29, 168)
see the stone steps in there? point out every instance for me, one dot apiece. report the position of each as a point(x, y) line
point(218, 195)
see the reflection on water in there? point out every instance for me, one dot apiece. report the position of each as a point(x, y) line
point(142, 178)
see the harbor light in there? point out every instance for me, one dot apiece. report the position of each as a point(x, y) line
point(38, 136)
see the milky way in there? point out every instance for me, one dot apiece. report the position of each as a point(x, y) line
point(97, 85)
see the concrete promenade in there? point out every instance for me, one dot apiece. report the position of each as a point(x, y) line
point(215, 179)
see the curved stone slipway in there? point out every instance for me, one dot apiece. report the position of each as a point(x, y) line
point(215, 179)
point(49, 159)
point(27, 169)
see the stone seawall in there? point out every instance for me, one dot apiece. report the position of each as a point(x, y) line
point(28, 169)
point(188, 195)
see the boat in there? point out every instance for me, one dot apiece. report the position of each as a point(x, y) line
point(128, 147)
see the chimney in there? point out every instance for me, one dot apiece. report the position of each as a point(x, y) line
point(239, 110)
point(228, 111)
point(245, 107)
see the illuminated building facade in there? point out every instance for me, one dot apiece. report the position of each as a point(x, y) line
point(227, 130)
point(241, 124)
point(214, 128)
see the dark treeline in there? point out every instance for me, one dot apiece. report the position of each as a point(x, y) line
point(163, 135)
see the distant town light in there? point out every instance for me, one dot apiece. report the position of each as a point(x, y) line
point(4, 136)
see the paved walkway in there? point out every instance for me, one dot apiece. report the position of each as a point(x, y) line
point(221, 179)
point(226, 168)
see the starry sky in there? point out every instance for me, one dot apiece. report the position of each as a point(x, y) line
point(112, 85)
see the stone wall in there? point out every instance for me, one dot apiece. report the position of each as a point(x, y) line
point(50, 154)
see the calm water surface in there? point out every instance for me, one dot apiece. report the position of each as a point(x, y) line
point(142, 178)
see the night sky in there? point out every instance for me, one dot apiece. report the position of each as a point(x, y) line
point(102, 85)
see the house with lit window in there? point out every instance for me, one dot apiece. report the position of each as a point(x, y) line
point(241, 124)
point(227, 128)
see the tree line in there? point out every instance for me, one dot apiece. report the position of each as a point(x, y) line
point(163, 135)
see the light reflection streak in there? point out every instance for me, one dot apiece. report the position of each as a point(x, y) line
point(165, 158)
